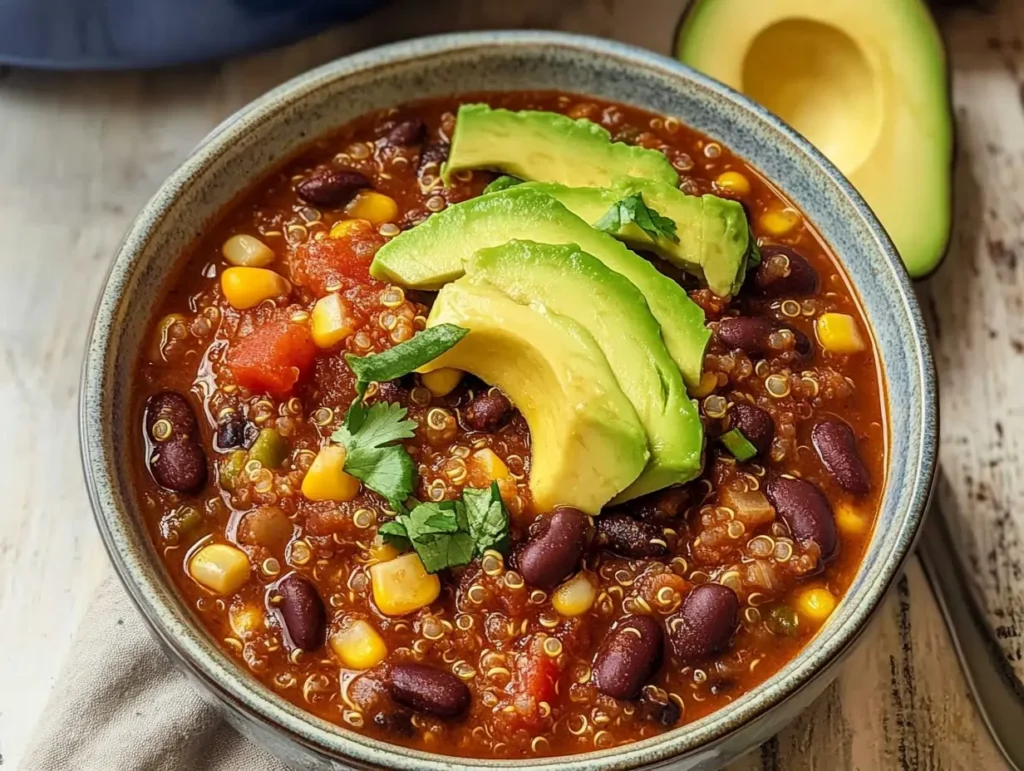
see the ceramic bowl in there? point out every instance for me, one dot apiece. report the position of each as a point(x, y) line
point(277, 125)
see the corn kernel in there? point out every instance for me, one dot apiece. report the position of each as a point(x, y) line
point(816, 605)
point(375, 207)
point(348, 228)
point(575, 596)
point(332, 321)
point(245, 619)
point(382, 552)
point(849, 521)
point(403, 585)
point(326, 480)
point(359, 646)
point(708, 382)
point(778, 222)
point(487, 462)
point(441, 382)
point(247, 251)
point(248, 287)
point(734, 182)
point(838, 333)
point(220, 568)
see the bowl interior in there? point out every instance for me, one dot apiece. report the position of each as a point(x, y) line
point(276, 126)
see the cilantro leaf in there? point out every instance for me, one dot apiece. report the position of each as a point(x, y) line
point(388, 471)
point(632, 209)
point(487, 518)
point(501, 183)
point(451, 533)
point(405, 357)
point(366, 435)
point(379, 424)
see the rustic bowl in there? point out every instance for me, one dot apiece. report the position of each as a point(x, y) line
point(275, 126)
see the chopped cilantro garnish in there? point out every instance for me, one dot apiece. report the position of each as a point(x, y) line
point(633, 209)
point(370, 456)
point(451, 533)
point(736, 443)
point(405, 357)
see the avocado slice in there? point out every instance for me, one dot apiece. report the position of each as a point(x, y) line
point(546, 146)
point(864, 80)
point(715, 243)
point(572, 283)
point(434, 252)
point(588, 444)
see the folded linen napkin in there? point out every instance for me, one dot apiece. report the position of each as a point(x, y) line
point(119, 705)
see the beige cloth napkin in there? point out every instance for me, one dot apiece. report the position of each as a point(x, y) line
point(119, 705)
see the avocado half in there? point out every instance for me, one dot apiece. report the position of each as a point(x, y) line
point(864, 80)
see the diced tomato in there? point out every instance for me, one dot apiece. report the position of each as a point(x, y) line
point(533, 681)
point(272, 357)
point(325, 264)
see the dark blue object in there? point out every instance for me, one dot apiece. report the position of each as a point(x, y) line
point(107, 34)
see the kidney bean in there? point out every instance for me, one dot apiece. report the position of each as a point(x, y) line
point(488, 411)
point(398, 722)
point(784, 272)
point(554, 550)
point(837, 448)
point(331, 188)
point(630, 537)
point(234, 432)
point(433, 153)
point(179, 465)
point(302, 611)
point(429, 690)
point(662, 506)
point(706, 622)
point(172, 407)
point(629, 657)
point(806, 511)
point(753, 335)
point(754, 423)
point(408, 132)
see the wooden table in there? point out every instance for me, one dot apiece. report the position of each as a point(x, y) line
point(80, 153)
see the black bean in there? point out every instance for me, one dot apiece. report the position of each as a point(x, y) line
point(806, 511)
point(179, 465)
point(784, 272)
point(630, 537)
point(837, 448)
point(302, 611)
point(175, 410)
point(662, 506)
point(408, 132)
point(755, 424)
point(434, 153)
point(429, 690)
point(753, 336)
point(629, 656)
point(397, 721)
point(235, 432)
point(488, 411)
point(659, 709)
point(331, 188)
point(554, 550)
point(705, 624)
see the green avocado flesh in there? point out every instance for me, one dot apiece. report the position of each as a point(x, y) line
point(714, 244)
point(865, 80)
point(547, 147)
point(588, 443)
point(435, 252)
point(571, 283)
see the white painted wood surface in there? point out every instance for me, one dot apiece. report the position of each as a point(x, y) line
point(80, 153)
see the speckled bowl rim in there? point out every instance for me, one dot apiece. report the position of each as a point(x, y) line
point(239, 689)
